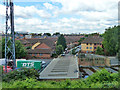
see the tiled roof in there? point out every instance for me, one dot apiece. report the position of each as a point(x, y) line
point(72, 39)
point(39, 51)
point(49, 42)
point(93, 39)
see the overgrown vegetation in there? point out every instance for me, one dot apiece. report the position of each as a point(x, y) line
point(100, 79)
point(20, 74)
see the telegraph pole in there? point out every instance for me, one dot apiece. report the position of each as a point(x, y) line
point(9, 34)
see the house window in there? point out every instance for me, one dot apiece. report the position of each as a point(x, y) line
point(86, 47)
point(90, 43)
point(90, 47)
point(94, 43)
point(94, 47)
point(40, 54)
point(87, 43)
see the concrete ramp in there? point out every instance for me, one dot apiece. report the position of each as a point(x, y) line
point(61, 68)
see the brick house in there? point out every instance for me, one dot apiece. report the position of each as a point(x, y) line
point(40, 48)
point(90, 44)
point(40, 53)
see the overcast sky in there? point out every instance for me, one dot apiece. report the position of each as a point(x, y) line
point(65, 16)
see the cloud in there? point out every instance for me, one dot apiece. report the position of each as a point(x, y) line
point(48, 6)
point(26, 12)
point(75, 16)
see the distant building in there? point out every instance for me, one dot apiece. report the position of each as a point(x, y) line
point(20, 35)
point(72, 41)
point(90, 44)
point(45, 47)
point(28, 36)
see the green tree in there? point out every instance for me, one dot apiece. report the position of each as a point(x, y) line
point(29, 47)
point(81, 39)
point(48, 34)
point(20, 50)
point(94, 34)
point(33, 34)
point(56, 33)
point(110, 42)
point(59, 49)
point(99, 51)
point(73, 51)
point(61, 41)
point(40, 34)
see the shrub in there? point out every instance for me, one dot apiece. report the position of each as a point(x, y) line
point(21, 73)
point(100, 79)
point(100, 76)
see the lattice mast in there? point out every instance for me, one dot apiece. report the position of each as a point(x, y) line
point(9, 34)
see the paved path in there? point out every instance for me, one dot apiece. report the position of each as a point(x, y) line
point(61, 68)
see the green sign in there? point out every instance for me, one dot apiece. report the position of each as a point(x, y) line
point(29, 64)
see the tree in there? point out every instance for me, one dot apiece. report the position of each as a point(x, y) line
point(59, 49)
point(40, 34)
point(56, 33)
point(99, 51)
point(81, 39)
point(94, 34)
point(73, 51)
point(20, 50)
point(61, 41)
point(33, 34)
point(48, 34)
point(111, 42)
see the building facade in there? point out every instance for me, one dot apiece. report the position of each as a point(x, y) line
point(90, 44)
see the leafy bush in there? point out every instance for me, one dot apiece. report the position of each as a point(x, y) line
point(21, 73)
point(102, 76)
point(100, 79)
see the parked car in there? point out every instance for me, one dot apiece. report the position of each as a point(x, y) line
point(62, 54)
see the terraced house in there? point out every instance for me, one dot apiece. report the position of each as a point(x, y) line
point(90, 44)
point(40, 48)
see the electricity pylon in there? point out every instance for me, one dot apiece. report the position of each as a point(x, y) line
point(9, 34)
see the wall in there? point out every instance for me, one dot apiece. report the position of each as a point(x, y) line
point(93, 62)
point(43, 56)
point(84, 47)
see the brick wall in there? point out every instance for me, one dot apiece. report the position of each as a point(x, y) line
point(42, 56)
point(93, 62)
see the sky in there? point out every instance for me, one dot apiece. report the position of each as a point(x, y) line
point(64, 16)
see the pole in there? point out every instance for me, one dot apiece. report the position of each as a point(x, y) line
point(12, 31)
point(6, 36)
